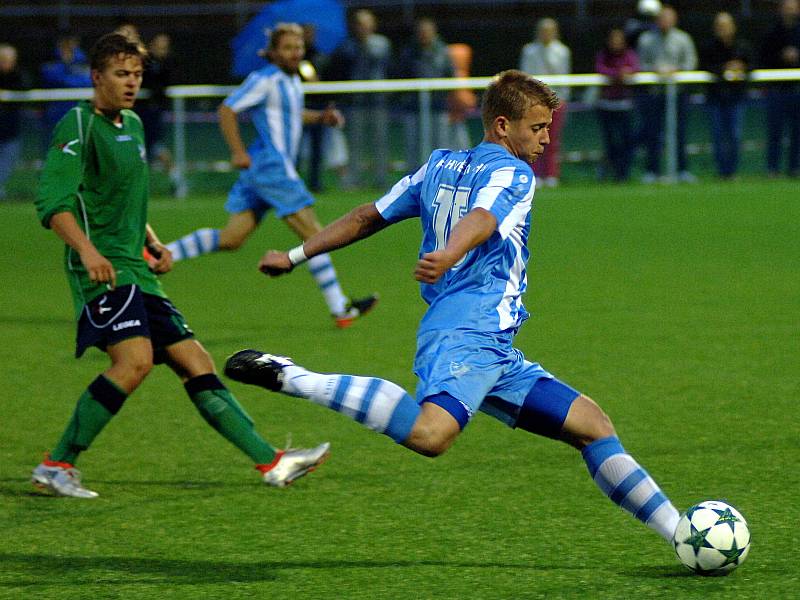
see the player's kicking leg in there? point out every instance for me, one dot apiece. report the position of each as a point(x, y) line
point(553, 409)
point(222, 411)
point(376, 403)
point(550, 408)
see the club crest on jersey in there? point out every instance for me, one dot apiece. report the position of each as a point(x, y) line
point(457, 369)
point(67, 147)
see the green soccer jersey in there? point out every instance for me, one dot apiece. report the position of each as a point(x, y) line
point(97, 170)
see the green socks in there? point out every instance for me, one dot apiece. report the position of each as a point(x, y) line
point(101, 401)
point(221, 410)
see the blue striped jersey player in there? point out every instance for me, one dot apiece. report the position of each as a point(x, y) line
point(475, 209)
point(273, 97)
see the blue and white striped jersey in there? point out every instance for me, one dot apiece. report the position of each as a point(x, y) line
point(483, 291)
point(275, 102)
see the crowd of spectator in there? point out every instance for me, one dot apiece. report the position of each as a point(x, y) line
point(630, 117)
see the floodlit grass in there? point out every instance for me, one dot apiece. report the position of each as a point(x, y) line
point(676, 308)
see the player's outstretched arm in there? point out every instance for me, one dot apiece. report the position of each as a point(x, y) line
point(470, 232)
point(361, 222)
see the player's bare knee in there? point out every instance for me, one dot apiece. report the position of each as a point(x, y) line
point(230, 242)
point(435, 446)
point(430, 440)
point(586, 423)
point(141, 367)
point(132, 370)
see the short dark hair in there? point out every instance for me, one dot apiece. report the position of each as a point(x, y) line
point(512, 93)
point(113, 44)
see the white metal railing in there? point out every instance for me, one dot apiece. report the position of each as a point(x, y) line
point(180, 93)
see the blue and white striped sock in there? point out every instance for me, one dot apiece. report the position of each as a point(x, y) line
point(628, 485)
point(324, 274)
point(378, 404)
point(202, 241)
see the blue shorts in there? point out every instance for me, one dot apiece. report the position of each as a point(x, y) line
point(126, 312)
point(483, 371)
point(267, 184)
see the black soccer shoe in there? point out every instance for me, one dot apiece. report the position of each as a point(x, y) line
point(257, 368)
point(355, 309)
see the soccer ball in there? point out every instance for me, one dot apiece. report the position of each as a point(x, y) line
point(712, 538)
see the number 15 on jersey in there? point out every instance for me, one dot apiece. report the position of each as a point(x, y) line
point(449, 206)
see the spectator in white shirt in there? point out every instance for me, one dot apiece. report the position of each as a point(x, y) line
point(549, 56)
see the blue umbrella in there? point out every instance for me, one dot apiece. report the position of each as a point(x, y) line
point(327, 16)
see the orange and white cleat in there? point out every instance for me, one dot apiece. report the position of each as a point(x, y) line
point(60, 478)
point(291, 464)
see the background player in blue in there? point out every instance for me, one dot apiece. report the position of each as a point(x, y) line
point(474, 207)
point(274, 97)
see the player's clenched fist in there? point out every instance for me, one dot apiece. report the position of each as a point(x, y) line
point(98, 267)
point(432, 266)
point(275, 263)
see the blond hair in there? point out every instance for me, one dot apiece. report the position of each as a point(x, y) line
point(513, 93)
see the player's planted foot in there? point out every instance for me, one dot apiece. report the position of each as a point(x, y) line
point(257, 368)
point(291, 464)
point(62, 479)
point(355, 308)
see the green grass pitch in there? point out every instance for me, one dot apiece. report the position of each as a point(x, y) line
point(676, 308)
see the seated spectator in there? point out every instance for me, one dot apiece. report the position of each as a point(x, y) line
point(615, 106)
point(728, 57)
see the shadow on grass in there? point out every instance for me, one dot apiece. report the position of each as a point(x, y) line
point(659, 572)
point(44, 569)
point(20, 488)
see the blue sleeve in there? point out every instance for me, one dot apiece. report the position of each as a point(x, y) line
point(252, 91)
point(403, 200)
point(508, 194)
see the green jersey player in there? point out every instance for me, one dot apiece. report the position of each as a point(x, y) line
point(93, 195)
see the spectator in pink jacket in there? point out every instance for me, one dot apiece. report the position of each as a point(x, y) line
point(615, 105)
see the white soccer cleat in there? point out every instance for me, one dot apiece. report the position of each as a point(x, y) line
point(62, 479)
point(292, 464)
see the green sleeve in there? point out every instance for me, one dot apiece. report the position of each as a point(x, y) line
point(63, 169)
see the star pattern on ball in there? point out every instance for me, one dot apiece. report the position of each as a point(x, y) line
point(697, 539)
point(727, 516)
point(732, 555)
